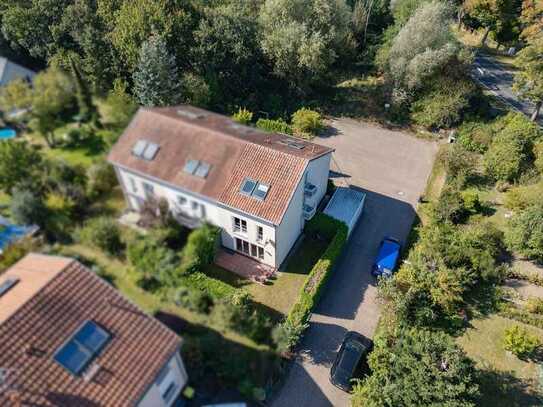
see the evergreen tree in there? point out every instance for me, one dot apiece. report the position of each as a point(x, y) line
point(157, 80)
point(87, 110)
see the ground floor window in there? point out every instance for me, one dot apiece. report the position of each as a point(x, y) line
point(250, 249)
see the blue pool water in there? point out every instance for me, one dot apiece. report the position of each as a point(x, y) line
point(7, 133)
point(12, 233)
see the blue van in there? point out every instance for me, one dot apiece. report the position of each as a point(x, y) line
point(387, 258)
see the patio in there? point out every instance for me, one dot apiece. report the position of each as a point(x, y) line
point(243, 266)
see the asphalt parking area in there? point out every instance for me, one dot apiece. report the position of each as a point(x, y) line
point(392, 168)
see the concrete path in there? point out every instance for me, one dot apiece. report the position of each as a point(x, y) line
point(392, 168)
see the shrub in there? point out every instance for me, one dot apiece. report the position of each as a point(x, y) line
point(470, 199)
point(306, 122)
point(534, 305)
point(287, 334)
point(444, 106)
point(27, 208)
point(522, 197)
point(524, 233)
point(101, 178)
point(243, 116)
point(225, 315)
point(475, 136)
point(216, 289)
point(200, 249)
point(457, 161)
point(16, 251)
point(193, 299)
point(155, 264)
point(505, 158)
point(450, 206)
point(520, 342)
point(104, 234)
point(538, 154)
point(274, 126)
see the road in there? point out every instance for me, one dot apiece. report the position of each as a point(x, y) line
point(498, 80)
point(392, 168)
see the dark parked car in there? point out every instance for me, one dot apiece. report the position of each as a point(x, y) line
point(387, 258)
point(350, 360)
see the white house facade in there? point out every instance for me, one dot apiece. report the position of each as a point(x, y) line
point(259, 188)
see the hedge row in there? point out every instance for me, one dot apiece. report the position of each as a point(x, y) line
point(211, 286)
point(315, 282)
point(530, 277)
point(512, 312)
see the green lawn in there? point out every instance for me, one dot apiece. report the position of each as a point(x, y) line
point(280, 294)
point(506, 380)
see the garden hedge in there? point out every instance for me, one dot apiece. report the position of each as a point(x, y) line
point(336, 232)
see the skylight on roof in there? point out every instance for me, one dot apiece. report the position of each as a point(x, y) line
point(191, 166)
point(87, 342)
point(150, 151)
point(248, 186)
point(8, 284)
point(139, 147)
point(202, 170)
point(261, 191)
point(292, 144)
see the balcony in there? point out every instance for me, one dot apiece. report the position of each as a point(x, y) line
point(310, 189)
point(309, 211)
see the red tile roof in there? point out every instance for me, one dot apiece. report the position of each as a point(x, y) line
point(129, 363)
point(234, 152)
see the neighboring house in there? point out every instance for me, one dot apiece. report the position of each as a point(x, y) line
point(258, 187)
point(10, 71)
point(68, 338)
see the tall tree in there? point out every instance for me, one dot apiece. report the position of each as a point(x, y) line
point(417, 368)
point(157, 81)
point(532, 18)
point(53, 93)
point(302, 38)
point(500, 17)
point(84, 96)
point(529, 77)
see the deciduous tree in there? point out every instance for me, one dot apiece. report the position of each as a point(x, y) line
point(529, 77)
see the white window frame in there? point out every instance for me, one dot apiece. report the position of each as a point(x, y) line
point(133, 185)
point(242, 228)
point(259, 233)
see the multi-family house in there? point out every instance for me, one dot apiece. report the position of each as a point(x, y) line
point(258, 187)
point(68, 338)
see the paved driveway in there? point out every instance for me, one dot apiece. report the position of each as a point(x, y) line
point(392, 168)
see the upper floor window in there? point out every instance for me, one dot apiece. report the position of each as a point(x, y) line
point(149, 190)
point(195, 205)
point(259, 233)
point(240, 225)
point(181, 200)
point(133, 185)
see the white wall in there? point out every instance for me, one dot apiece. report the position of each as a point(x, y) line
point(292, 224)
point(175, 374)
point(215, 214)
point(317, 174)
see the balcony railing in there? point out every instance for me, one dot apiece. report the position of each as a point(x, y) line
point(310, 189)
point(309, 211)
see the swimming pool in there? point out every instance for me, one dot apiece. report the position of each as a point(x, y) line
point(7, 133)
point(11, 233)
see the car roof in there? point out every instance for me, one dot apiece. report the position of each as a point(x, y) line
point(388, 254)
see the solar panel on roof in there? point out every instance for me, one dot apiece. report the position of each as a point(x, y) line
point(202, 170)
point(150, 151)
point(85, 345)
point(191, 166)
point(261, 191)
point(139, 147)
point(8, 285)
point(247, 186)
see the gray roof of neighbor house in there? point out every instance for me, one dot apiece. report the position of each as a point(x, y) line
point(231, 153)
point(45, 303)
point(10, 71)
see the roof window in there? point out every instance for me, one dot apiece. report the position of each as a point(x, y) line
point(198, 168)
point(8, 284)
point(254, 189)
point(145, 149)
point(76, 354)
point(292, 144)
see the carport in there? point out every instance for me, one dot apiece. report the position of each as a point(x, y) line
point(346, 205)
